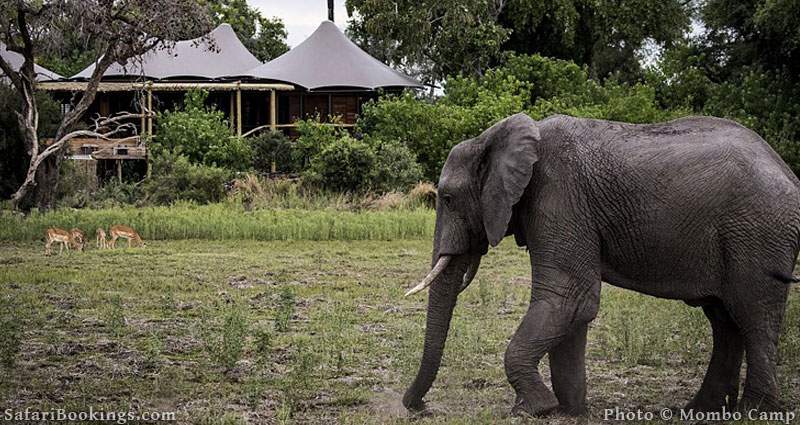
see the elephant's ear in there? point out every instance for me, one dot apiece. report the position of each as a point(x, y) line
point(509, 152)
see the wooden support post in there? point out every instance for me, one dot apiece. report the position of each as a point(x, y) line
point(233, 107)
point(302, 106)
point(273, 110)
point(119, 170)
point(238, 112)
point(273, 122)
point(330, 108)
point(143, 129)
point(149, 113)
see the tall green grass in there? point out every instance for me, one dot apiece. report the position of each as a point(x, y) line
point(228, 221)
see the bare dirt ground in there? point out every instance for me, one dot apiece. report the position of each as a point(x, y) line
point(313, 332)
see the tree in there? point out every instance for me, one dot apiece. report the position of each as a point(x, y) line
point(264, 37)
point(123, 30)
point(430, 39)
point(606, 35)
point(441, 38)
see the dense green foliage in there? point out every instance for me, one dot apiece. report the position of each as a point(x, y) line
point(270, 149)
point(332, 159)
point(537, 85)
point(175, 178)
point(202, 134)
point(342, 165)
point(441, 38)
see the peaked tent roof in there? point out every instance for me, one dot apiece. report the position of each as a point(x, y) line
point(15, 60)
point(196, 58)
point(329, 59)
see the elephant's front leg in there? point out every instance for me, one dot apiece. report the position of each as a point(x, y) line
point(559, 316)
point(568, 372)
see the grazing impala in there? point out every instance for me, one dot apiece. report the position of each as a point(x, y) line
point(125, 232)
point(102, 243)
point(78, 238)
point(56, 235)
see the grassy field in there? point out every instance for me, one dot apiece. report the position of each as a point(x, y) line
point(227, 220)
point(238, 331)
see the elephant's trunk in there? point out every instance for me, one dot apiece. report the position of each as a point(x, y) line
point(441, 300)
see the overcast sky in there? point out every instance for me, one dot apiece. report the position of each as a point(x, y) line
point(301, 17)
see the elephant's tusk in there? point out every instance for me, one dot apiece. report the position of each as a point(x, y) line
point(444, 260)
point(472, 270)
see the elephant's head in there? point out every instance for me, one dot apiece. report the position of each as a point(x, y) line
point(481, 181)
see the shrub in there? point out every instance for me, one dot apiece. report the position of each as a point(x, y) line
point(343, 165)
point(395, 168)
point(193, 130)
point(226, 346)
point(430, 130)
point(313, 137)
point(233, 153)
point(270, 148)
point(175, 178)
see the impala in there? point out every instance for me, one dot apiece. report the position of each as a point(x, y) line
point(78, 238)
point(125, 232)
point(102, 243)
point(57, 235)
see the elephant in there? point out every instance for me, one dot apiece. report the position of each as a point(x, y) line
point(698, 209)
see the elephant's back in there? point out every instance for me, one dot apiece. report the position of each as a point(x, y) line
point(717, 148)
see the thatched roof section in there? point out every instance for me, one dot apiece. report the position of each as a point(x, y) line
point(15, 60)
point(328, 59)
point(220, 55)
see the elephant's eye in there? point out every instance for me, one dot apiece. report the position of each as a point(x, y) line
point(446, 198)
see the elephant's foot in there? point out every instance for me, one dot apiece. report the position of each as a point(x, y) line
point(751, 401)
point(576, 411)
point(714, 401)
point(539, 403)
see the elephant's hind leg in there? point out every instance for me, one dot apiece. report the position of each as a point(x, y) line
point(568, 372)
point(721, 385)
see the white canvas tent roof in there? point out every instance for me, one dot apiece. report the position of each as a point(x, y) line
point(15, 60)
point(329, 59)
point(189, 59)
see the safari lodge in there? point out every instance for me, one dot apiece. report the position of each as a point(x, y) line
point(325, 76)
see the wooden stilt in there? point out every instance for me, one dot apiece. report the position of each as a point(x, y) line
point(238, 112)
point(273, 122)
point(150, 113)
point(233, 108)
point(119, 170)
point(273, 112)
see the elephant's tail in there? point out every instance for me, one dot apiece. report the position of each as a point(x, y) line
point(786, 278)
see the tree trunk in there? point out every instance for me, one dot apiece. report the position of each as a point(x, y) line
point(47, 178)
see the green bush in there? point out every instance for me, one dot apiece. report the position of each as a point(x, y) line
point(395, 168)
point(198, 132)
point(430, 130)
point(234, 153)
point(272, 147)
point(175, 178)
point(313, 137)
point(344, 165)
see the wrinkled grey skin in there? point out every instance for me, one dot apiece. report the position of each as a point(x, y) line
point(697, 209)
